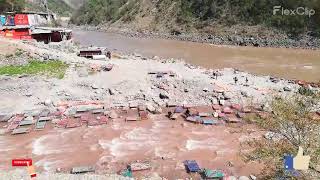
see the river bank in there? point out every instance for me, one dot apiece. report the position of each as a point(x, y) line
point(301, 64)
point(304, 42)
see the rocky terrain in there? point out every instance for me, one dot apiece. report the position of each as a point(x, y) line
point(307, 42)
point(133, 80)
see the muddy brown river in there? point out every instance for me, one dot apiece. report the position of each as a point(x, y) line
point(287, 63)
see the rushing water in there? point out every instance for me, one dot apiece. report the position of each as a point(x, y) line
point(286, 63)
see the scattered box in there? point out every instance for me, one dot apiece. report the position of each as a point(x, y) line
point(26, 123)
point(20, 131)
point(44, 119)
point(191, 166)
point(203, 114)
point(210, 122)
point(132, 119)
point(82, 169)
point(140, 166)
point(40, 125)
point(97, 111)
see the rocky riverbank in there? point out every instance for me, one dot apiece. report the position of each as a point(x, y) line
point(136, 79)
point(304, 42)
point(109, 134)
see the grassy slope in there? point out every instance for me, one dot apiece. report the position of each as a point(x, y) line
point(55, 69)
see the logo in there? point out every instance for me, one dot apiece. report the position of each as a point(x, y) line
point(21, 162)
point(300, 11)
point(299, 162)
point(27, 163)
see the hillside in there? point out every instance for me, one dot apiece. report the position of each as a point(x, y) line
point(247, 17)
point(59, 7)
point(74, 4)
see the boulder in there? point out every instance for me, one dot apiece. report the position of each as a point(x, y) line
point(227, 95)
point(150, 108)
point(214, 101)
point(266, 107)
point(5, 117)
point(159, 110)
point(113, 115)
point(205, 90)
point(112, 91)
point(28, 94)
point(48, 102)
point(94, 86)
point(243, 178)
point(252, 177)
point(164, 95)
point(287, 88)
point(221, 102)
point(273, 136)
point(244, 94)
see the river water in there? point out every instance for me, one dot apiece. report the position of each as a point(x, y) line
point(286, 63)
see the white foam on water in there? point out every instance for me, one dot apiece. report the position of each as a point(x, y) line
point(119, 148)
point(5, 146)
point(201, 132)
point(162, 152)
point(44, 145)
point(210, 143)
point(308, 67)
point(158, 126)
point(138, 134)
point(225, 151)
point(134, 140)
point(116, 126)
point(94, 147)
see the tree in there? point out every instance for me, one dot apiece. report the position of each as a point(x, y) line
point(12, 5)
point(294, 120)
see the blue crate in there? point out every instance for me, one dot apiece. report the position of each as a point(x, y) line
point(191, 166)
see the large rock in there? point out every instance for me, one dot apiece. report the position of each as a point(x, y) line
point(150, 108)
point(214, 101)
point(266, 107)
point(5, 117)
point(287, 88)
point(112, 91)
point(164, 95)
point(227, 95)
point(252, 177)
point(222, 102)
point(159, 110)
point(244, 178)
point(48, 102)
point(273, 136)
point(113, 115)
point(232, 178)
point(94, 86)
